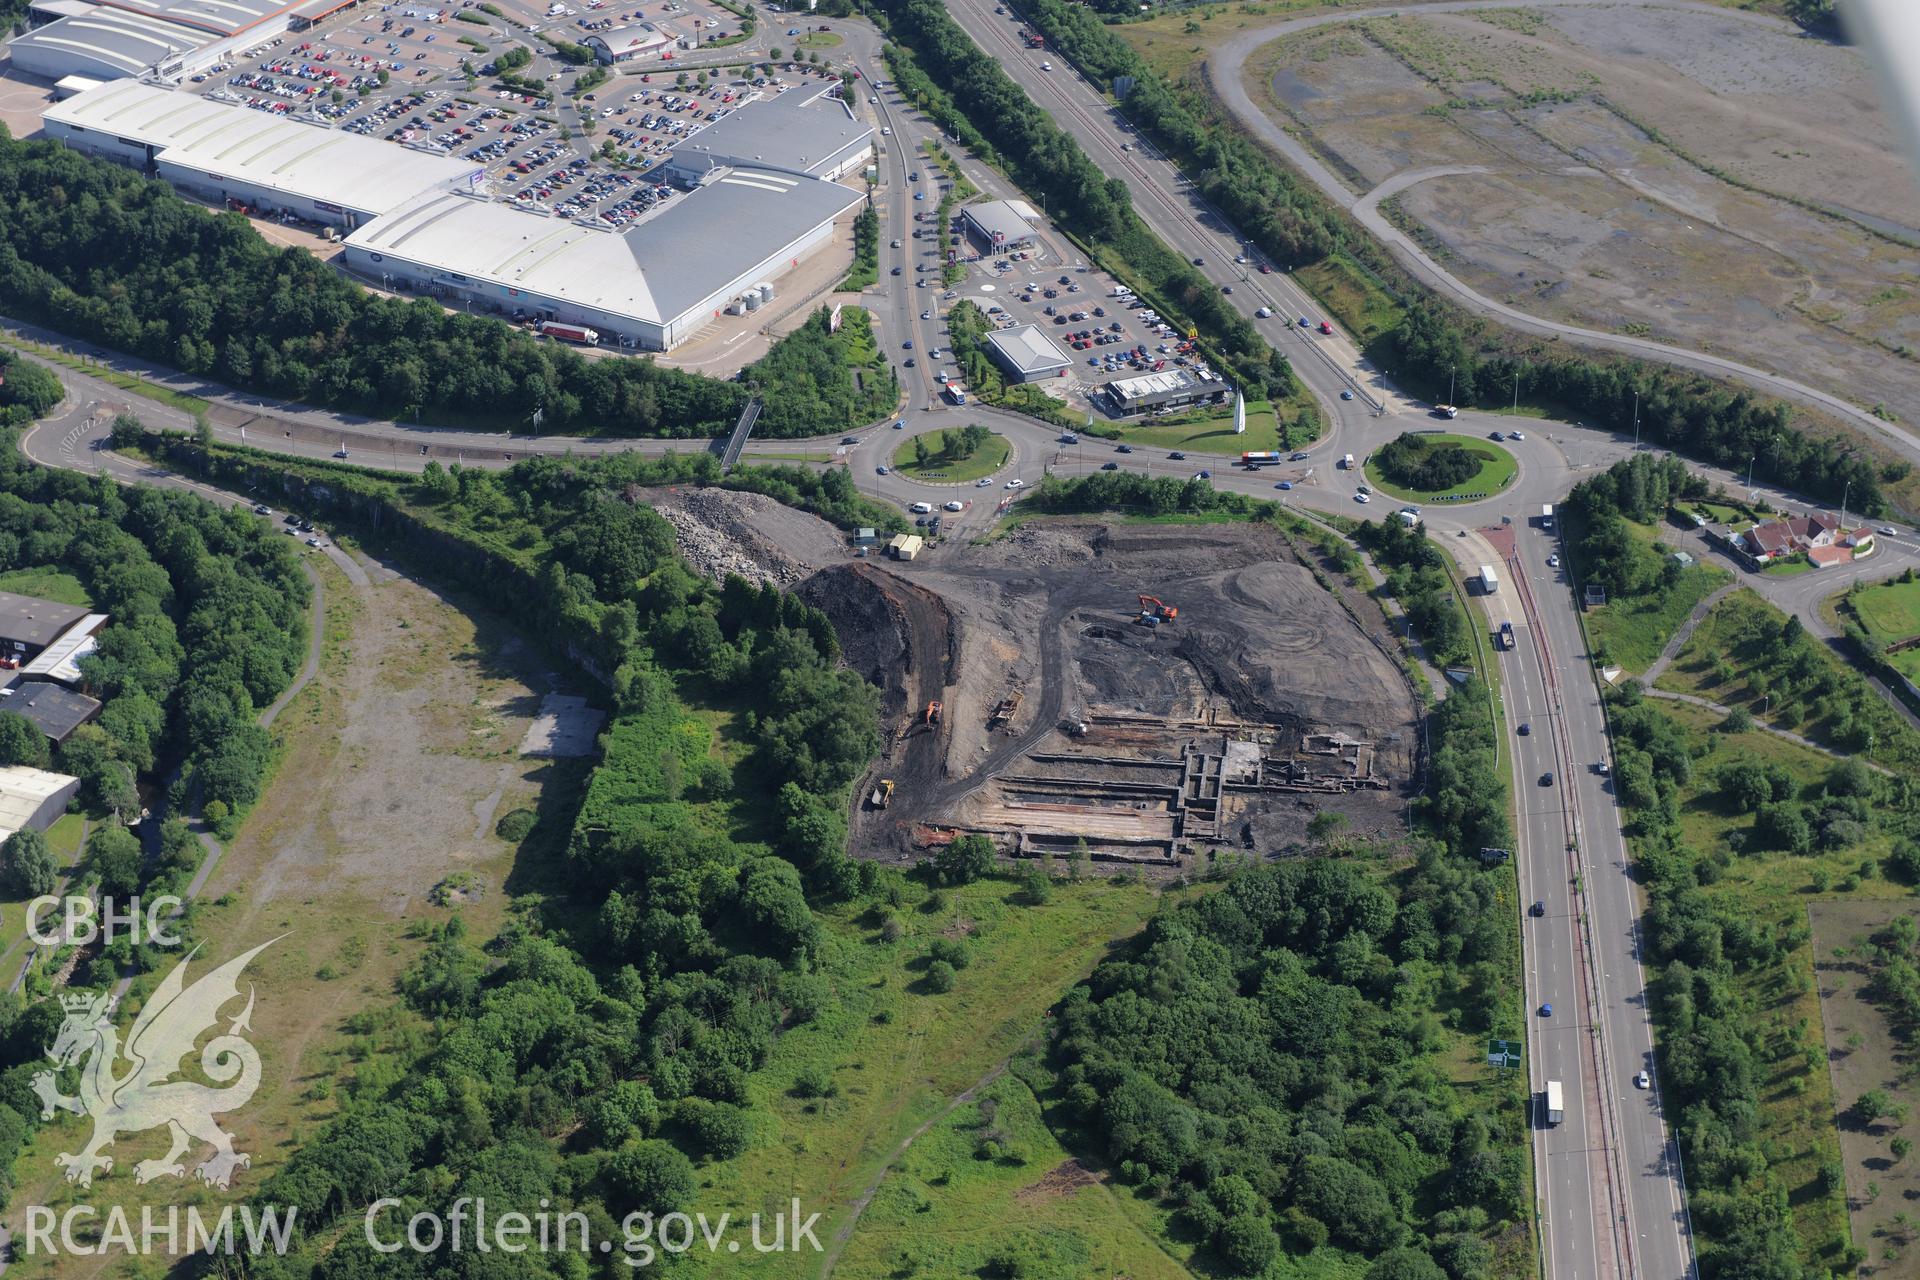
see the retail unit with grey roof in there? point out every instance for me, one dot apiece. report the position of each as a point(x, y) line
point(266, 162)
point(1168, 389)
point(802, 131)
point(998, 224)
point(54, 710)
point(1026, 353)
point(649, 285)
point(29, 624)
point(130, 38)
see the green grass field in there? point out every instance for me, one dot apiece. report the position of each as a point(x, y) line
point(1496, 472)
point(989, 458)
point(954, 1205)
point(1362, 307)
point(897, 1056)
point(1891, 612)
point(1633, 630)
point(820, 40)
point(47, 583)
point(1213, 434)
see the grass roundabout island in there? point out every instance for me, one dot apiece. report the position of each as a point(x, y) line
point(953, 456)
point(1440, 466)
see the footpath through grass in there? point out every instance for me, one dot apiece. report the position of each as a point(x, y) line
point(991, 1183)
point(1733, 657)
point(1632, 630)
point(895, 1055)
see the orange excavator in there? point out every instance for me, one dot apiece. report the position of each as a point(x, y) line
point(933, 714)
point(1154, 605)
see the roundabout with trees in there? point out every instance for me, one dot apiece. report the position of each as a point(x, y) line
point(1438, 466)
point(953, 456)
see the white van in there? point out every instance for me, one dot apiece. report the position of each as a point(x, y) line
point(921, 508)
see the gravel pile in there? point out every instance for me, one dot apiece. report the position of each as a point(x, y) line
point(719, 532)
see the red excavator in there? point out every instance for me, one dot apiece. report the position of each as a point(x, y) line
point(1154, 606)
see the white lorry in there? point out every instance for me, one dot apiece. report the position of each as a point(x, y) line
point(1556, 1105)
point(1489, 580)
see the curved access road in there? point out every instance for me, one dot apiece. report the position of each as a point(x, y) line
point(1227, 75)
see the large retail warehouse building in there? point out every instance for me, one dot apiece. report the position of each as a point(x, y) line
point(427, 223)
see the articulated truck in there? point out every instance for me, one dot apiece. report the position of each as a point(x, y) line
point(570, 333)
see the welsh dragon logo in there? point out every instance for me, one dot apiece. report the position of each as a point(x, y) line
point(148, 1095)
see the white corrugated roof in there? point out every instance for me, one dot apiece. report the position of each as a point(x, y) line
point(23, 791)
point(267, 151)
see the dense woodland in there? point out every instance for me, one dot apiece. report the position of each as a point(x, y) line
point(94, 250)
point(1435, 344)
point(1412, 461)
point(1262, 1060)
point(207, 626)
point(27, 391)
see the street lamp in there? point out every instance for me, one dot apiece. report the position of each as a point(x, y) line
point(1750, 472)
point(1636, 419)
point(1844, 495)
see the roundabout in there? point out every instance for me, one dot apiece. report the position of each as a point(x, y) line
point(1419, 466)
point(951, 455)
